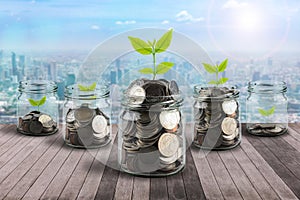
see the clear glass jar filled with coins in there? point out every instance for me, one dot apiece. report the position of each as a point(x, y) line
point(216, 118)
point(37, 108)
point(87, 114)
point(266, 108)
point(151, 138)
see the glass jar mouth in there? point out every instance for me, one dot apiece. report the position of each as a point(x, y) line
point(267, 87)
point(203, 93)
point(73, 92)
point(37, 86)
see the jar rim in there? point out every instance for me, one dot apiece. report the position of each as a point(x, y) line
point(73, 92)
point(234, 94)
point(267, 86)
point(37, 86)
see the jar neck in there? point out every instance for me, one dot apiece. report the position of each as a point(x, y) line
point(37, 87)
point(73, 92)
point(215, 93)
point(267, 87)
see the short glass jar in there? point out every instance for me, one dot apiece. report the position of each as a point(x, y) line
point(266, 108)
point(216, 118)
point(87, 115)
point(37, 108)
point(151, 138)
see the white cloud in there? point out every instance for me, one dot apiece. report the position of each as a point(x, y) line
point(234, 4)
point(184, 16)
point(165, 22)
point(127, 22)
point(95, 27)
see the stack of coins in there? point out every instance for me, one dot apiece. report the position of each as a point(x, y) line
point(37, 123)
point(216, 119)
point(152, 140)
point(266, 129)
point(86, 127)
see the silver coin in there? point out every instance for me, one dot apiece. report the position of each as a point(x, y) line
point(275, 130)
point(99, 124)
point(229, 137)
point(46, 121)
point(136, 95)
point(169, 119)
point(168, 144)
point(83, 114)
point(70, 116)
point(171, 159)
point(85, 135)
point(229, 106)
point(229, 126)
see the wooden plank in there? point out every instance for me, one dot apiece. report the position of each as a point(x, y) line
point(191, 180)
point(32, 175)
point(282, 190)
point(282, 171)
point(175, 186)
point(258, 181)
point(207, 178)
point(141, 188)
point(6, 133)
point(240, 179)
point(292, 140)
point(225, 182)
point(95, 174)
point(124, 187)
point(158, 188)
point(21, 170)
point(9, 143)
point(41, 184)
point(58, 183)
point(76, 181)
point(295, 131)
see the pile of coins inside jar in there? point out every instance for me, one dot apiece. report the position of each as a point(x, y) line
point(152, 140)
point(216, 118)
point(266, 129)
point(37, 123)
point(87, 127)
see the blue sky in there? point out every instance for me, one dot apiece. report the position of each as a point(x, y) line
point(265, 26)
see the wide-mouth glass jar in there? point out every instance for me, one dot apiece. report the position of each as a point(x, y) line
point(151, 139)
point(87, 115)
point(37, 108)
point(216, 118)
point(266, 106)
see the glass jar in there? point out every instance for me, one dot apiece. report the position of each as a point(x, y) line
point(216, 118)
point(266, 106)
point(37, 108)
point(87, 115)
point(151, 138)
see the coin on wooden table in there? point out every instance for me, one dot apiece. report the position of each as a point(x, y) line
point(168, 144)
point(83, 114)
point(99, 124)
point(36, 127)
point(229, 126)
point(137, 95)
point(229, 106)
point(46, 121)
point(169, 119)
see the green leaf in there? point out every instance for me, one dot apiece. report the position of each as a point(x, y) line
point(87, 88)
point(222, 66)
point(164, 67)
point(222, 80)
point(209, 68)
point(42, 101)
point(267, 112)
point(140, 45)
point(33, 102)
point(92, 87)
point(146, 71)
point(213, 82)
point(82, 87)
point(164, 42)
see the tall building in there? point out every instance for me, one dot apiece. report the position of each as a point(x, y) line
point(22, 64)
point(14, 64)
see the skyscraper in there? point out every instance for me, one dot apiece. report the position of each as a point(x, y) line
point(14, 64)
point(22, 64)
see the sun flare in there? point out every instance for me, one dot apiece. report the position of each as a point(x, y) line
point(249, 21)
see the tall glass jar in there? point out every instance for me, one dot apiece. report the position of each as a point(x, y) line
point(87, 115)
point(37, 108)
point(151, 138)
point(216, 118)
point(266, 105)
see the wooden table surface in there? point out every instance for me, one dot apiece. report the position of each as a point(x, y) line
point(45, 168)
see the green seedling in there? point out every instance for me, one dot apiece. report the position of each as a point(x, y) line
point(216, 69)
point(268, 112)
point(87, 88)
point(152, 48)
point(37, 103)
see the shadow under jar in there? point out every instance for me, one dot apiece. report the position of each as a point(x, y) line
point(266, 106)
point(87, 117)
point(151, 129)
point(37, 108)
point(216, 118)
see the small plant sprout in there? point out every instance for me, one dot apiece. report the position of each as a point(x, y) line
point(268, 112)
point(152, 48)
point(216, 69)
point(91, 87)
point(37, 103)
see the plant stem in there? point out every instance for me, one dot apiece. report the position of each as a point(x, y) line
point(154, 66)
point(217, 78)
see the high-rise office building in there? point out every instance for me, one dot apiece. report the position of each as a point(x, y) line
point(14, 64)
point(22, 64)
